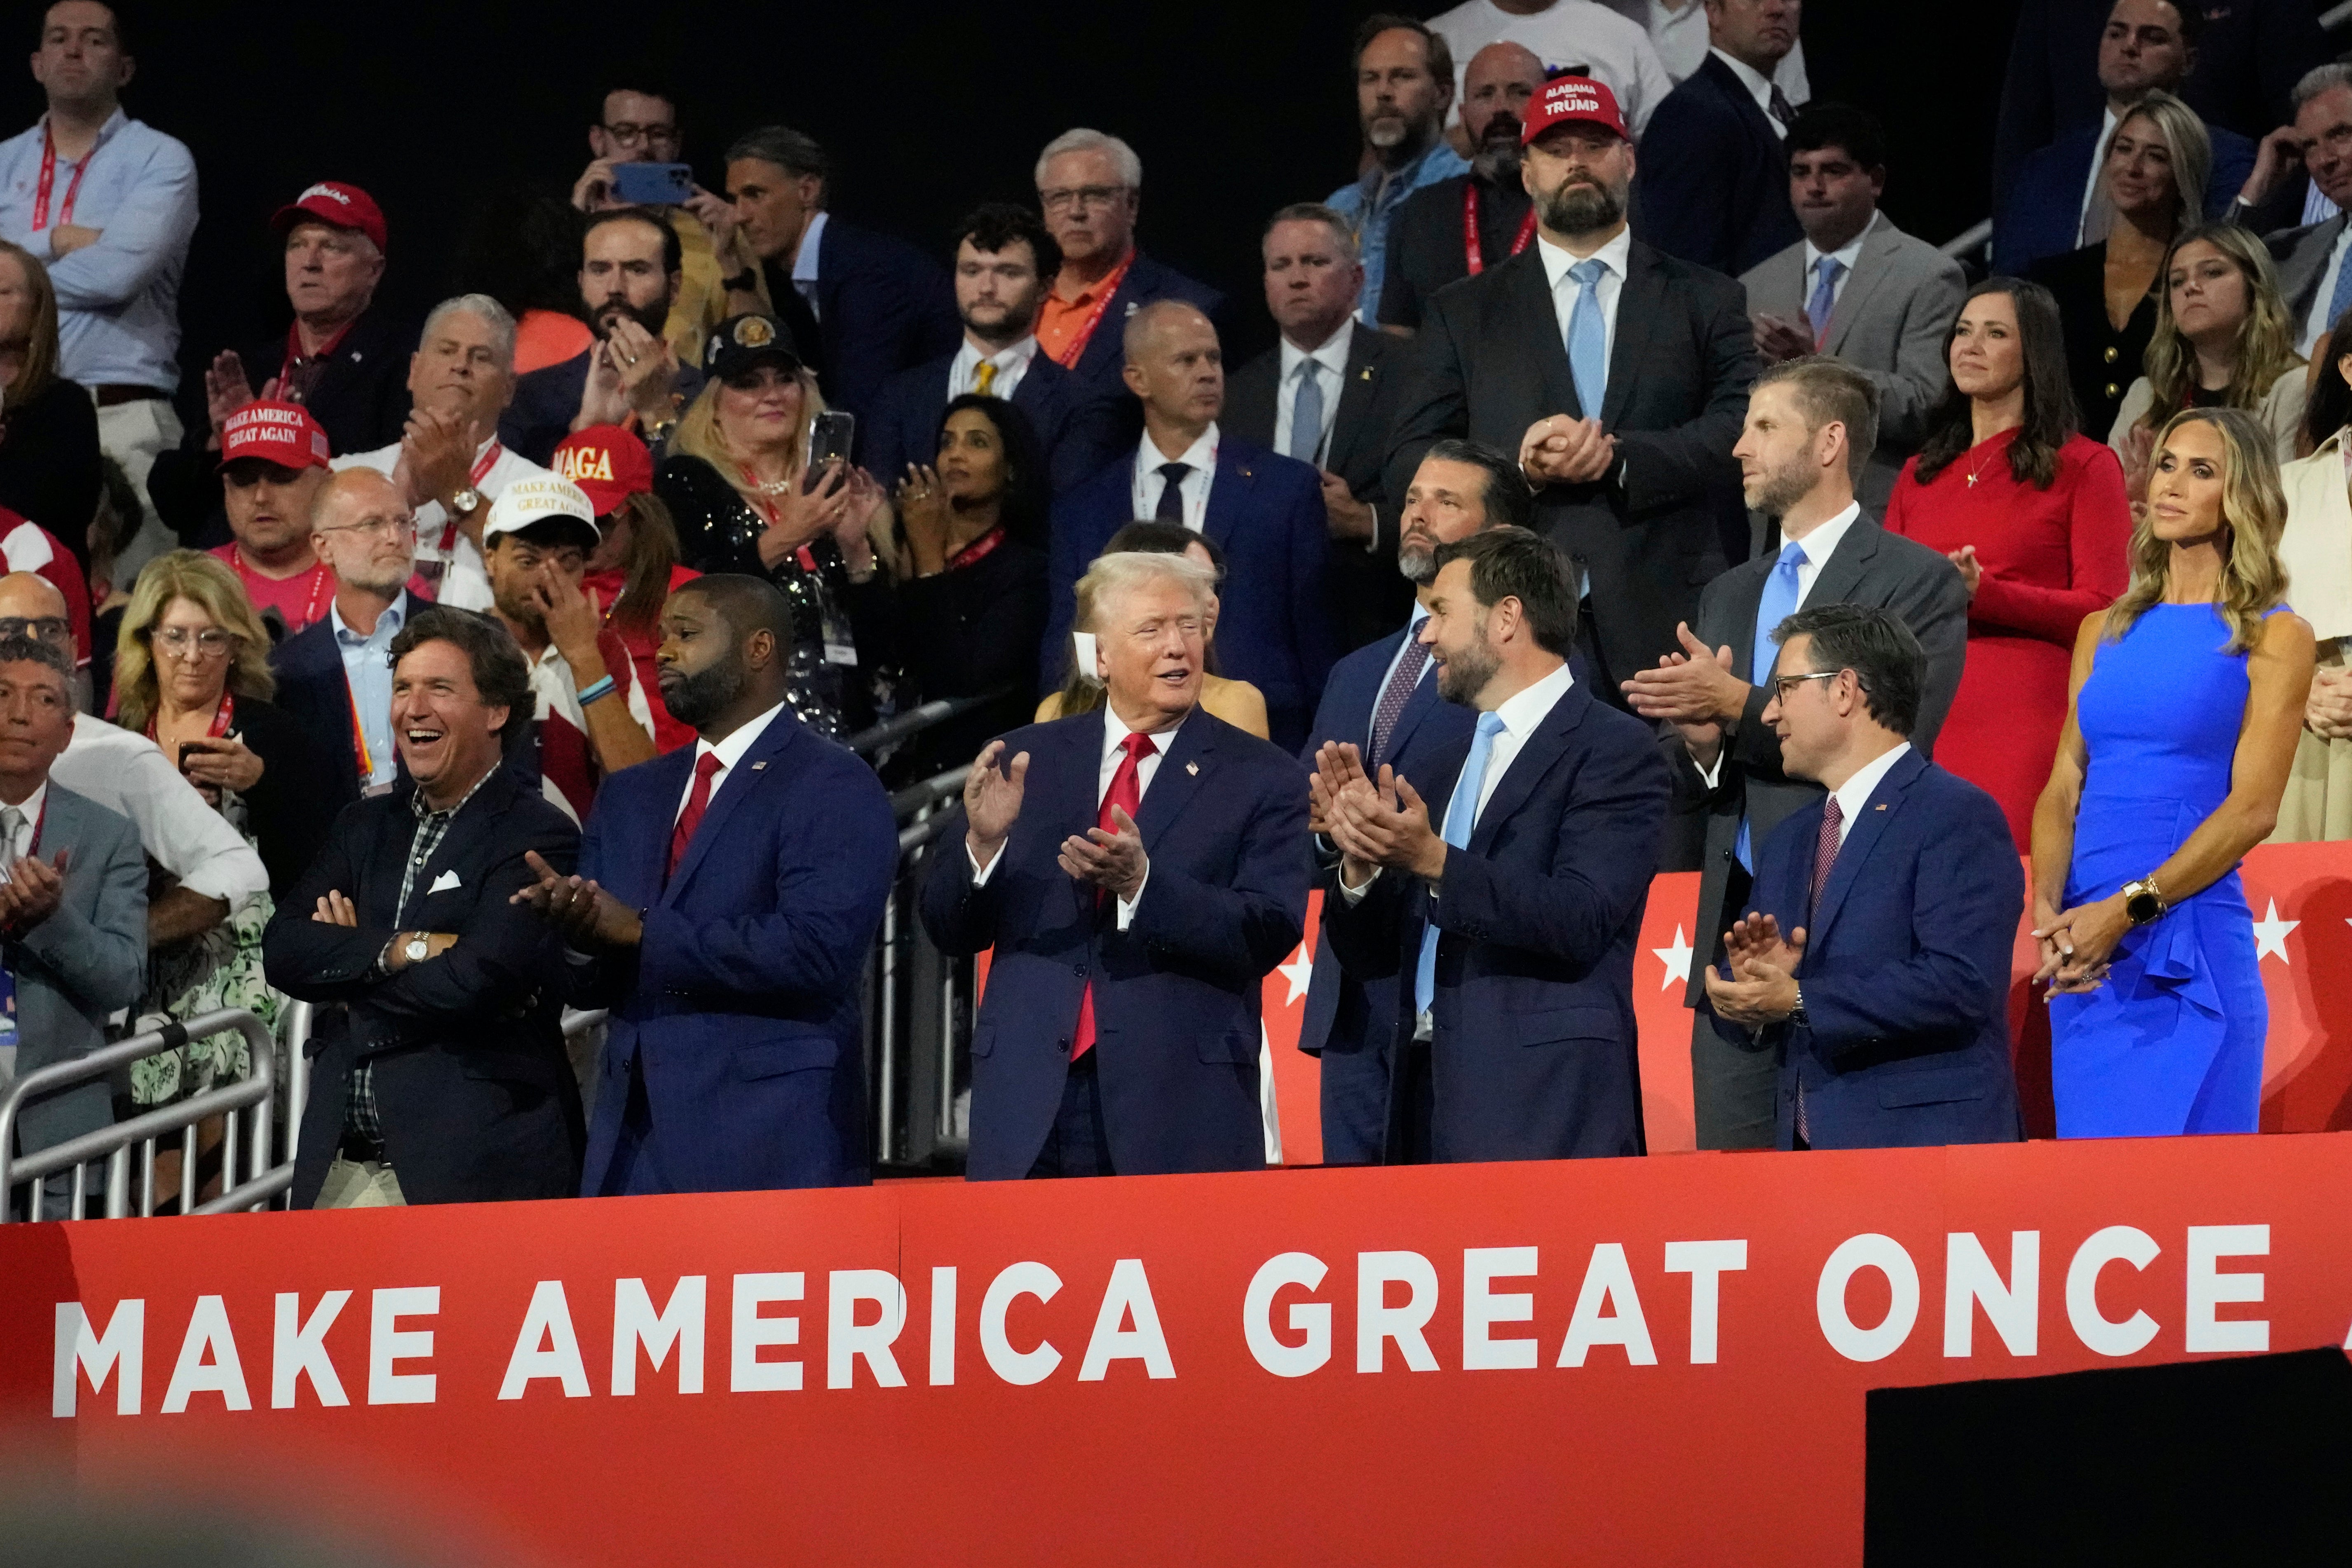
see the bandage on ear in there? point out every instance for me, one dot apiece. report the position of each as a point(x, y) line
point(1088, 662)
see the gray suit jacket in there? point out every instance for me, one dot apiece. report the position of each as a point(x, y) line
point(1890, 323)
point(2302, 256)
point(1870, 566)
point(85, 961)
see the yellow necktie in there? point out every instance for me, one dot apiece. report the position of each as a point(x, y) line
point(983, 376)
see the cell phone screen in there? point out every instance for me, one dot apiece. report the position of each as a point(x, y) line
point(830, 435)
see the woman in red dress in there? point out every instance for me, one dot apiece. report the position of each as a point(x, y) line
point(2034, 516)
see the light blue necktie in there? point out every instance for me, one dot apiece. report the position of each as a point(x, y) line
point(1461, 814)
point(1778, 602)
point(1307, 414)
point(1587, 338)
point(1828, 270)
point(2342, 297)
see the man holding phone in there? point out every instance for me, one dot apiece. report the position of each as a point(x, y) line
point(637, 161)
point(630, 267)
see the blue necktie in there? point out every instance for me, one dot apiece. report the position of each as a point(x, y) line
point(1461, 814)
point(1828, 270)
point(1307, 414)
point(2338, 301)
point(1587, 338)
point(1778, 602)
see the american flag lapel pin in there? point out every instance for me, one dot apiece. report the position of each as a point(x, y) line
point(1881, 807)
point(762, 767)
point(1192, 768)
point(1366, 375)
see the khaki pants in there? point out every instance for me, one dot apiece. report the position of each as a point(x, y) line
point(132, 433)
point(359, 1185)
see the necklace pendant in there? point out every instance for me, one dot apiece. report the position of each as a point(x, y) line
point(1972, 481)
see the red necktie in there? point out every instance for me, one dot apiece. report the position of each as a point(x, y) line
point(1125, 794)
point(706, 768)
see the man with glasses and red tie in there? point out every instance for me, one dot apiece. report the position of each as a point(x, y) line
point(1138, 871)
point(1873, 967)
point(726, 896)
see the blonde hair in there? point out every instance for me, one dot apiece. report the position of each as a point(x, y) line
point(2253, 509)
point(2265, 346)
point(698, 434)
point(41, 341)
point(2191, 149)
point(211, 586)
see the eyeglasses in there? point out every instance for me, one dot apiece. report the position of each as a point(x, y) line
point(1079, 196)
point(40, 628)
point(1784, 684)
point(180, 643)
point(629, 135)
point(389, 527)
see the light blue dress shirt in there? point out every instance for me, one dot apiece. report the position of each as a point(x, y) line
point(367, 662)
point(1366, 204)
point(118, 299)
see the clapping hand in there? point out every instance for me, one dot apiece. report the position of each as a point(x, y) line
point(991, 802)
point(583, 914)
point(2327, 712)
point(1565, 451)
point(1339, 766)
point(1387, 824)
point(1112, 860)
point(1971, 570)
point(1756, 939)
point(1779, 339)
point(1693, 691)
point(32, 890)
point(1760, 993)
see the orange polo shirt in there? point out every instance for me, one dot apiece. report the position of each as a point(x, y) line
point(1060, 321)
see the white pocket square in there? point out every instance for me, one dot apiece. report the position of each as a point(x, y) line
point(444, 882)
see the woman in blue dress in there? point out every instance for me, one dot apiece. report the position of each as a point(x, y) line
point(2187, 699)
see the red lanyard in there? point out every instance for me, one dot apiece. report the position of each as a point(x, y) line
point(1068, 358)
point(1471, 245)
point(359, 736)
point(482, 468)
point(760, 503)
point(320, 577)
point(979, 550)
point(223, 716)
point(41, 196)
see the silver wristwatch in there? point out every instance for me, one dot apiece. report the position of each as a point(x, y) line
point(416, 949)
point(465, 501)
point(1797, 1012)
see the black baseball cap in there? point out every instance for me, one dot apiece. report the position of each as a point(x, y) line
point(743, 343)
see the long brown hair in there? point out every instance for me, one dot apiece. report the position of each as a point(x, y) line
point(2050, 415)
point(2253, 509)
point(2265, 346)
point(646, 565)
point(41, 345)
point(209, 584)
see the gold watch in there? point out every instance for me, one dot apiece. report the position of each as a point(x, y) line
point(2144, 900)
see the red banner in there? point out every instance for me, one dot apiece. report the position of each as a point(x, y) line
point(1629, 1360)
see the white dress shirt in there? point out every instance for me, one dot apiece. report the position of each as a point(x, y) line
point(1011, 364)
point(1564, 289)
point(1599, 40)
point(729, 751)
point(1854, 795)
point(2316, 323)
point(1330, 362)
point(1760, 88)
point(1200, 457)
point(1847, 255)
point(20, 842)
point(804, 262)
point(127, 774)
point(1114, 752)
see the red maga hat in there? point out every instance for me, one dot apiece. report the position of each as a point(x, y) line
point(1573, 101)
point(334, 202)
point(286, 434)
point(607, 462)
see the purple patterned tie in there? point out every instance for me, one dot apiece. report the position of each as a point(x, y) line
point(1825, 848)
point(1395, 696)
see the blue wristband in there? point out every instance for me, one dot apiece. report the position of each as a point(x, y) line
point(604, 688)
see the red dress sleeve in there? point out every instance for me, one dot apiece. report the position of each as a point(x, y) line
point(1898, 504)
point(2098, 541)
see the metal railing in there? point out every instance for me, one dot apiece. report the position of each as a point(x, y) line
point(1975, 238)
point(914, 720)
point(252, 1094)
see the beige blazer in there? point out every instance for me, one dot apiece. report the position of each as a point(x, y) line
point(2316, 550)
point(2281, 413)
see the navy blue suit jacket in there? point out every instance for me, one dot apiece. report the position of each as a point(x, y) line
point(315, 693)
point(1176, 993)
point(882, 307)
point(1906, 970)
point(1346, 1012)
point(1103, 359)
point(1714, 185)
point(1534, 1054)
point(1274, 621)
point(1079, 434)
point(741, 1006)
point(2042, 215)
point(547, 400)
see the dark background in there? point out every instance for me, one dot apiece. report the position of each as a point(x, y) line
point(448, 113)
